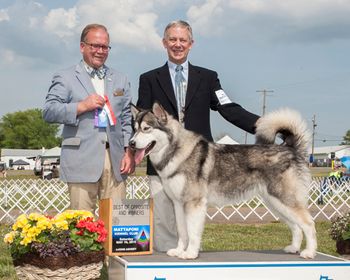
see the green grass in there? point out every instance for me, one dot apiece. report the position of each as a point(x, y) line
point(217, 237)
point(7, 271)
point(226, 237)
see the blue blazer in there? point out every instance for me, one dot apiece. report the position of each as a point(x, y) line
point(83, 144)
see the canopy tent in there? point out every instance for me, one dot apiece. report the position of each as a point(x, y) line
point(227, 140)
point(346, 162)
point(52, 153)
point(20, 162)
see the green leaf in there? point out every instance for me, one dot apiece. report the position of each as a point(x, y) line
point(346, 235)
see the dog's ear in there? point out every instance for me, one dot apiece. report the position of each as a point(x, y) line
point(134, 111)
point(159, 112)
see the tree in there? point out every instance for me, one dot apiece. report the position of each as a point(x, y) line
point(27, 130)
point(346, 138)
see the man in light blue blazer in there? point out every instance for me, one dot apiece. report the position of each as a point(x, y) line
point(92, 101)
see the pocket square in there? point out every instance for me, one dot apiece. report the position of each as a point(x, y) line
point(118, 92)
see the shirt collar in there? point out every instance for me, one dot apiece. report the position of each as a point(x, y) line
point(89, 69)
point(173, 65)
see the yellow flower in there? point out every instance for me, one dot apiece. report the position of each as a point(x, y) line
point(70, 215)
point(26, 228)
point(63, 216)
point(9, 237)
point(84, 213)
point(34, 231)
point(20, 222)
point(35, 216)
point(61, 224)
point(44, 223)
point(25, 241)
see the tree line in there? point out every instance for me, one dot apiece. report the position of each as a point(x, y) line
point(28, 130)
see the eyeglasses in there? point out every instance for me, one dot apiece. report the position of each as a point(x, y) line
point(96, 47)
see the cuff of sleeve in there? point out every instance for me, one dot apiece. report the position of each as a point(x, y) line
point(71, 114)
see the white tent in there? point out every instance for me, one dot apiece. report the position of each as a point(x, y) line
point(227, 140)
point(52, 153)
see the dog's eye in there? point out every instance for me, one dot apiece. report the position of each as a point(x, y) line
point(146, 128)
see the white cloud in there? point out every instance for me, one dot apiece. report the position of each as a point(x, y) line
point(129, 22)
point(201, 17)
point(48, 34)
point(61, 22)
point(4, 15)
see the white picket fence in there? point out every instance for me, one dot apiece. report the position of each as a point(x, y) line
point(327, 199)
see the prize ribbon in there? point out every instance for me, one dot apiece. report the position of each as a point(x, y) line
point(111, 117)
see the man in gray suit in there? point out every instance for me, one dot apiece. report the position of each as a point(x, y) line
point(92, 101)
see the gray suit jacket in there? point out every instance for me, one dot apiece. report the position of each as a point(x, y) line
point(83, 145)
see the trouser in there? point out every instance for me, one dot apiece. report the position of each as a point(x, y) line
point(83, 196)
point(164, 222)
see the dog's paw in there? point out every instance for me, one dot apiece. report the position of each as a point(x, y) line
point(176, 252)
point(308, 254)
point(290, 249)
point(188, 255)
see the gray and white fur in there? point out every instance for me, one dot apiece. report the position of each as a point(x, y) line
point(196, 173)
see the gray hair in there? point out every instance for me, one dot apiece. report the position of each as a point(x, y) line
point(179, 23)
point(90, 27)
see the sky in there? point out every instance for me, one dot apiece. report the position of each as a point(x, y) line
point(296, 50)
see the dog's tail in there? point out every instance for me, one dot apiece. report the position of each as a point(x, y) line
point(286, 123)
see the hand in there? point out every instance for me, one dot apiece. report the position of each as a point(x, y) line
point(127, 165)
point(90, 103)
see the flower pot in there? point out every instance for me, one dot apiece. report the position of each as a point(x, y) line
point(343, 247)
point(83, 265)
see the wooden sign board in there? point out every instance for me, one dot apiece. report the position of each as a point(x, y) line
point(129, 225)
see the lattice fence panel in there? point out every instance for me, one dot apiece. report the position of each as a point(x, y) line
point(327, 199)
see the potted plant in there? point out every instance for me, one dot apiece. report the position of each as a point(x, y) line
point(340, 232)
point(65, 246)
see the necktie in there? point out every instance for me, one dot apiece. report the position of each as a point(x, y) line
point(100, 72)
point(180, 91)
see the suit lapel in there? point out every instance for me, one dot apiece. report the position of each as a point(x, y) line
point(164, 80)
point(193, 83)
point(84, 78)
point(109, 82)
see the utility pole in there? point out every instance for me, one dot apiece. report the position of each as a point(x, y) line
point(264, 92)
point(313, 138)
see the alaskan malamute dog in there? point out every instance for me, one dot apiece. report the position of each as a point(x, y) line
point(195, 173)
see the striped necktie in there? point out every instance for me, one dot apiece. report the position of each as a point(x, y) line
point(180, 92)
point(100, 72)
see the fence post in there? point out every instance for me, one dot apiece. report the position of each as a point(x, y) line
point(323, 186)
point(5, 197)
